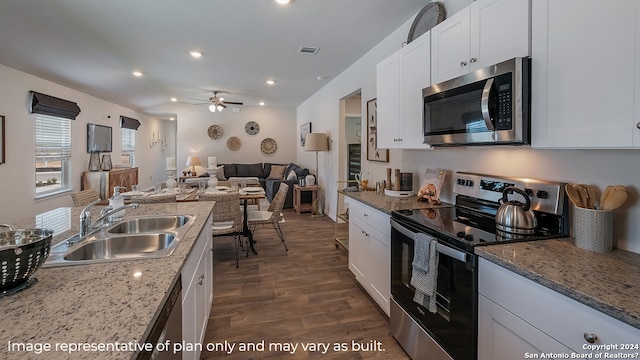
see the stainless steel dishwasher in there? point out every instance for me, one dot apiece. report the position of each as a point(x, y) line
point(168, 327)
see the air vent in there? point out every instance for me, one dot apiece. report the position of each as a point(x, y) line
point(308, 50)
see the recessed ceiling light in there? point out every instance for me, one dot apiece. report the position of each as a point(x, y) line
point(174, 99)
point(271, 82)
point(282, 2)
point(137, 73)
point(261, 103)
point(172, 118)
point(195, 54)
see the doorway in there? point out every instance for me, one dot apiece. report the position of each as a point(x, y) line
point(349, 156)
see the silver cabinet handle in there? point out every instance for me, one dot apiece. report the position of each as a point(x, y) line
point(473, 60)
point(463, 63)
point(484, 104)
point(591, 338)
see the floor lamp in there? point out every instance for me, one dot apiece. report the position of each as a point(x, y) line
point(316, 142)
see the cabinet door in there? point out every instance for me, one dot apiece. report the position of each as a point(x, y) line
point(358, 250)
point(189, 327)
point(500, 30)
point(415, 60)
point(450, 47)
point(388, 88)
point(379, 278)
point(583, 85)
point(504, 336)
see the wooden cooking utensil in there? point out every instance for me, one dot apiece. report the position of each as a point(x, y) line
point(594, 195)
point(584, 195)
point(615, 198)
point(573, 195)
point(605, 193)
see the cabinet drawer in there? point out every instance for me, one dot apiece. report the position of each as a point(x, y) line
point(562, 318)
point(370, 216)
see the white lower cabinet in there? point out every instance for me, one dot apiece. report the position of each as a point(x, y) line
point(370, 252)
point(517, 316)
point(197, 294)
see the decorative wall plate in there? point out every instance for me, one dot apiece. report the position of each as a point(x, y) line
point(268, 146)
point(233, 143)
point(252, 128)
point(215, 131)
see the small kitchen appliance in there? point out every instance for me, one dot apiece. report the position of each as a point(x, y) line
point(451, 331)
point(490, 106)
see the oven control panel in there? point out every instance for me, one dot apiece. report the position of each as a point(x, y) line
point(545, 196)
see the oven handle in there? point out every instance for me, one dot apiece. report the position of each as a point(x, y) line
point(456, 254)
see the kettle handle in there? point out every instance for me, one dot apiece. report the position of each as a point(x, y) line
point(510, 189)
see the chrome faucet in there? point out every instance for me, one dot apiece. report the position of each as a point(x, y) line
point(85, 216)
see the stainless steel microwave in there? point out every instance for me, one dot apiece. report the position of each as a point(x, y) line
point(490, 106)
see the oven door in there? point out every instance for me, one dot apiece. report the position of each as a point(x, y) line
point(454, 325)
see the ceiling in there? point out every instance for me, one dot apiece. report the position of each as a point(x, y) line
point(94, 46)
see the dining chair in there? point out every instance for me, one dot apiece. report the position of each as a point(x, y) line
point(85, 197)
point(227, 216)
point(153, 199)
point(272, 216)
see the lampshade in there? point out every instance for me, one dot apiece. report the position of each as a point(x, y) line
point(193, 161)
point(316, 142)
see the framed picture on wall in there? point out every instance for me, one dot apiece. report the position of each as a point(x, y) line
point(304, 130)
point(373, 152)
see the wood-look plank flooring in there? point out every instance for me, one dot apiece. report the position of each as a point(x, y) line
point(306, 296)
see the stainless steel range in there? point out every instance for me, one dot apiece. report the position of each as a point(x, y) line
point(449, 330)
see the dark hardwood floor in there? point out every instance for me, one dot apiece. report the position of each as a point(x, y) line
point(307, 296)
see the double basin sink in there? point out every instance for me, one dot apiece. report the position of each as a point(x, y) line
point(140, 237)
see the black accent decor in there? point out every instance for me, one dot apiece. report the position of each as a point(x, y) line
point(129, 123)
point(53, 106)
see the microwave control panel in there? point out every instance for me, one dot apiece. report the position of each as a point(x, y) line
point(504, 102)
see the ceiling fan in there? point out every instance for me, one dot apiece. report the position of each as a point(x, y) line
point(217, 103)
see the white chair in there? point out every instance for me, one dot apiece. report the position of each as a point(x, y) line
point(271, 216)
point(227, 216)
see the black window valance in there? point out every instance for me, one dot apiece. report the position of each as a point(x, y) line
point(53, 106)
point(129, 123)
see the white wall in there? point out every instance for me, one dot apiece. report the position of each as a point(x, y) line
point(17, 175)
point(598, 167)
point(193, 121)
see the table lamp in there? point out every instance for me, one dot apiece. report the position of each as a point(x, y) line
point(193, 161)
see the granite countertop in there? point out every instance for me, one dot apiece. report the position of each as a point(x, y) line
point(96, 303)
point(387, 203)
point(608, 282)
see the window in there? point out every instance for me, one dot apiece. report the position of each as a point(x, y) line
point(128, 146)
point(53, 154)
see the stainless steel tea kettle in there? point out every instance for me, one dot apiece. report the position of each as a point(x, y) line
point(514, 216)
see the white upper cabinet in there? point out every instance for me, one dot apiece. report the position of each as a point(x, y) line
point(400, 80)
point(482, 34)
point(586, 74)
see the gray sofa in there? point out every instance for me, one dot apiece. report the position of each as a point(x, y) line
point(262, 171)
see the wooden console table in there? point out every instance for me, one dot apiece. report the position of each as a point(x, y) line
point(300, 206)
point(104, 181)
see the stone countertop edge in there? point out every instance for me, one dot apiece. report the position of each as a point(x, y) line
point(608, 282)
point(97, 303)
point(386, 203)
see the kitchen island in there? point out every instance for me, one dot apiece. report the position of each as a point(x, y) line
point(96, 304)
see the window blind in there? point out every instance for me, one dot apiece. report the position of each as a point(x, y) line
point(53, 138)
point(128, 140)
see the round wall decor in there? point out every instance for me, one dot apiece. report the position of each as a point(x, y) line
point(233, 143)
point(252, 128)
point(215, 131)
point(268, 146)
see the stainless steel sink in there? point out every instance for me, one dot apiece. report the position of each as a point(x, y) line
point(149, 224)
point(140, 237)
point(128, 247)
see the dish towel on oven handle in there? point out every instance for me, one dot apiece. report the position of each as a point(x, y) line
point(424, 271)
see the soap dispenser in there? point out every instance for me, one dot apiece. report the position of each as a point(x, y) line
point(115, 202)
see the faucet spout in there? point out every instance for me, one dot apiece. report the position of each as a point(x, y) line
point(85, 218)
point(104, 215)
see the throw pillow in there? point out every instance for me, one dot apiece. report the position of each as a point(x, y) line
point(219, 173)
point(292, 175)
point(277, 172)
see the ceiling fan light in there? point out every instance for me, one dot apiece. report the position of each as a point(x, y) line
point(212, 108)
point(220, 107)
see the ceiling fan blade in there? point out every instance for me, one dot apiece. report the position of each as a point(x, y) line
point(233, 103)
